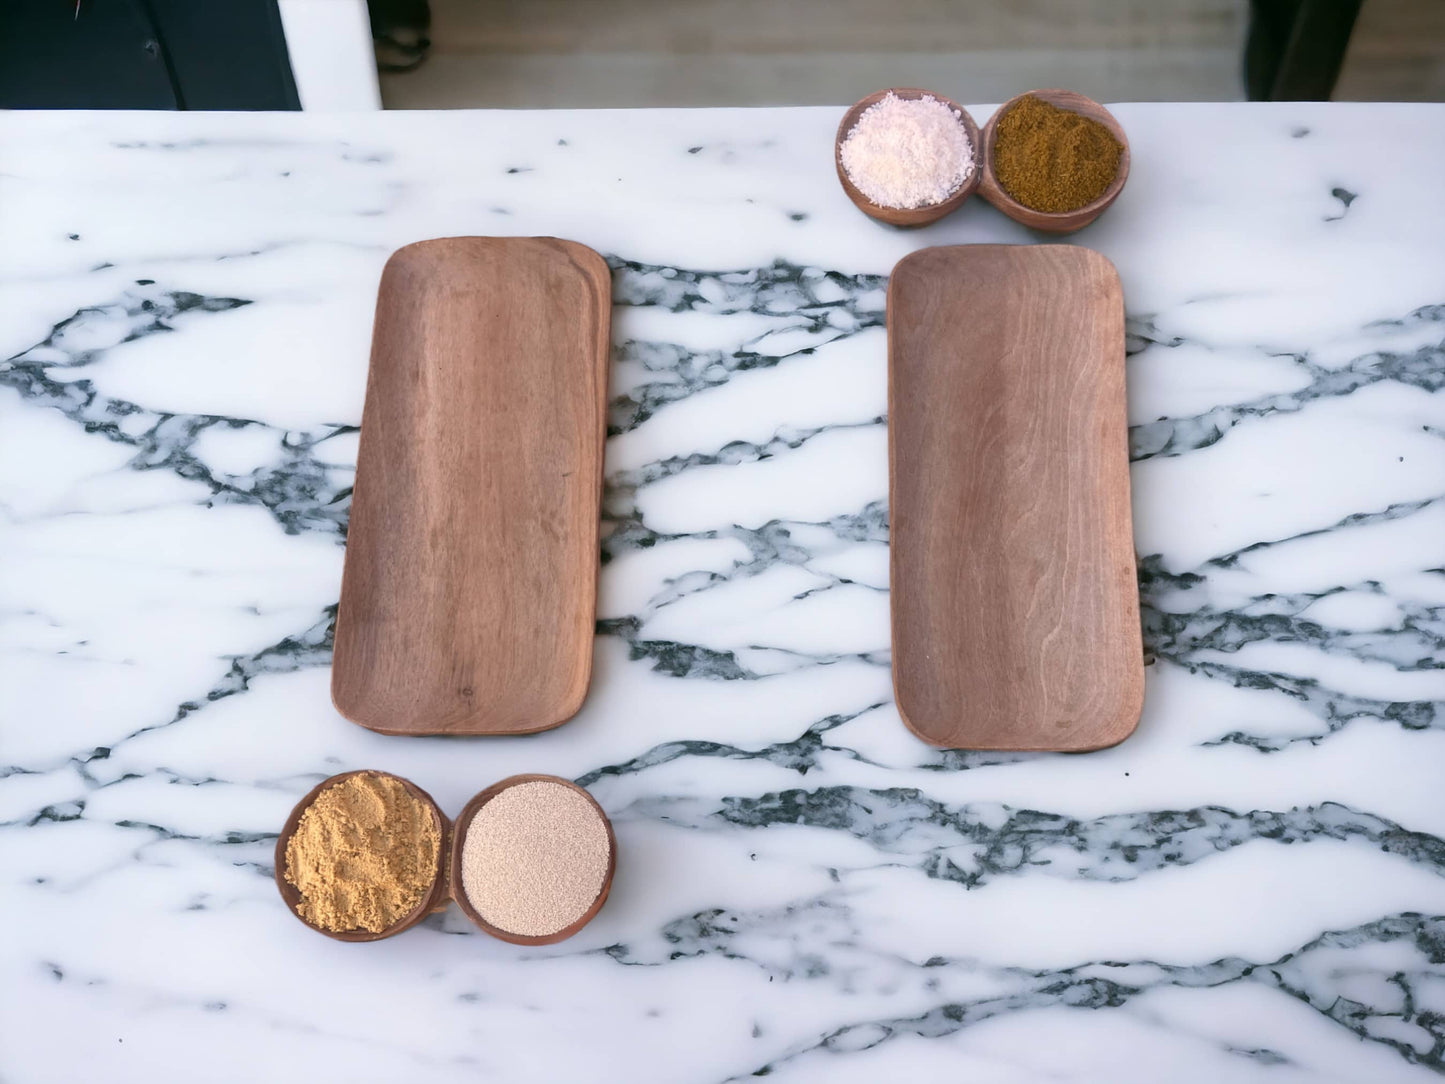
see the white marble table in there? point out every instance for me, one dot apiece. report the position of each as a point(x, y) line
point(1252, 888)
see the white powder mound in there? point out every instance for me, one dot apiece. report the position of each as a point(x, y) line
point(908, 152)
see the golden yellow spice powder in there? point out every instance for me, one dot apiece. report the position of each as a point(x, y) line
point(1051, 159)
point(364, 854)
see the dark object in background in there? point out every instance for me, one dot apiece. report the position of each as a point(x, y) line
point(401, 30)
point(1296, 47)
point(144, 54)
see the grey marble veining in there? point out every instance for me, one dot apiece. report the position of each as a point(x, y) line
point(1250, 888)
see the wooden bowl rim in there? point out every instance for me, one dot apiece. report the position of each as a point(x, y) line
point(1095, 207)
point(429, 901)
point(908, 216)
point(459, 838)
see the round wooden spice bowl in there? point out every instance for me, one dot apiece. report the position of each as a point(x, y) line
point(448, 880)
point(435, 898)
point(459, 837)
point(909, 216)
point(1053, 221)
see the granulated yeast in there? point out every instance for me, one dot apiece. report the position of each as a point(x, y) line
point(535, 858)
point(364, 854)
point(907, 152)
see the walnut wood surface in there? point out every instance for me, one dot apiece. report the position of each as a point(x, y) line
point(1053, 221)
point(1014, 599)
point(459, 839)
point(435, 898)
point(915, 216)
point(469, 594)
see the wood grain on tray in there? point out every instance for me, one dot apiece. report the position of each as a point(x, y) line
point(1014, 597)
point(469, 595)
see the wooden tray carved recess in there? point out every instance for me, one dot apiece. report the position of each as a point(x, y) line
point(469, 595)
point(1015, 605)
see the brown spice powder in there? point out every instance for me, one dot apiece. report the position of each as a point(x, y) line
point(364, 854)
point(1052, 160)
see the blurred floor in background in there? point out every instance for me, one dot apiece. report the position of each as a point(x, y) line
point(1396, 54)
point(560, 53)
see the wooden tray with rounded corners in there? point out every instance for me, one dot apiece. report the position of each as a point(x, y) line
point(1015, 606)
point(911, 216)
point(459, 835)
point(1053, 221)
point(434, 900)
point(470, 585)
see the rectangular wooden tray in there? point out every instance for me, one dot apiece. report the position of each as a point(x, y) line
point(1014, 595)
point(469, 596)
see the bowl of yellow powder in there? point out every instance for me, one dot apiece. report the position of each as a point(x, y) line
point(1054, 160)
point(360, 857)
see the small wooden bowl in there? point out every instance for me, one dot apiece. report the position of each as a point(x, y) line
point(434, 900)
point(1054, 221)
point(459, 838)
point(912, 216)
